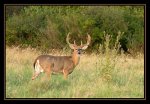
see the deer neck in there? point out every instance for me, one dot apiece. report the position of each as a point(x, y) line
point(75, 58)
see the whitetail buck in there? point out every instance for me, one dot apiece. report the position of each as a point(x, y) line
point(60, 64)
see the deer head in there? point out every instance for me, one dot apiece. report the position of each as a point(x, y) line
point(77, 49)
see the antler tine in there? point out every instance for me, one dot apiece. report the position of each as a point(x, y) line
point(67, 39)
point(81, 43)
point(88, 39)
point(74, 42)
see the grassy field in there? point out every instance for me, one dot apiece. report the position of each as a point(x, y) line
point(96, 76)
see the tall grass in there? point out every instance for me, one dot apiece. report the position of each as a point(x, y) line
point(96, 76)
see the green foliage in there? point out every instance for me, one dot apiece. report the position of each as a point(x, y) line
point(45, 27)
point(135, 19)
point(110, 56)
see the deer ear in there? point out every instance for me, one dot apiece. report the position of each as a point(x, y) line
point(84, 47)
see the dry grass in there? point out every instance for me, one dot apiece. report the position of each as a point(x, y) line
point(96, 76)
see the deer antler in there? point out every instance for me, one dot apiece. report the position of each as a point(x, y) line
point(81, 43)
point(70, 45)
point(88, 41)
point(67, 39)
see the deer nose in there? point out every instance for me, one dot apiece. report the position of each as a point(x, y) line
point(79, 51)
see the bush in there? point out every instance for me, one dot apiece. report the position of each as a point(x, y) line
point(45, 27)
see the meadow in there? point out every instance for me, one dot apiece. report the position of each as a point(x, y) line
point(96, 76)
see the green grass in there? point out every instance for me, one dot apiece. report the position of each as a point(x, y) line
point(94, 77)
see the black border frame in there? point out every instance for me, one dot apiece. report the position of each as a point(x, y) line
point(88, 99)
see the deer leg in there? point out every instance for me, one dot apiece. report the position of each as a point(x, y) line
point(36, 74)
point(65, 72)
point(48, 73)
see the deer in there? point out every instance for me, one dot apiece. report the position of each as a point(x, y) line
point(65, 65)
